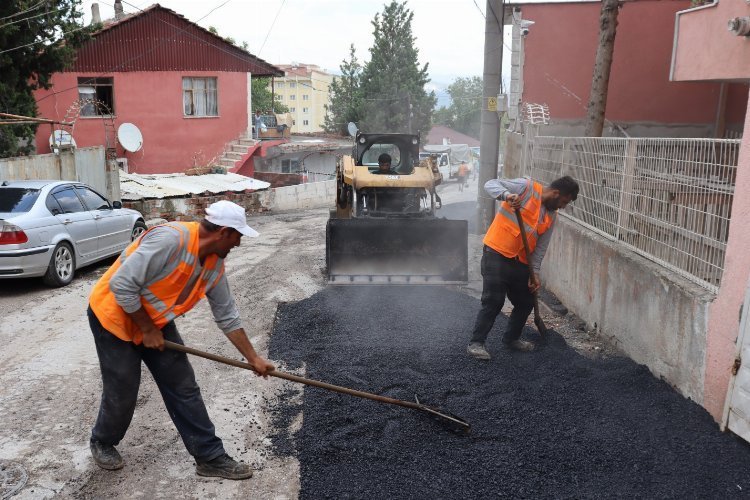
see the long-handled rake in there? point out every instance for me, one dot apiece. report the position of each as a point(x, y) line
point(454, 422)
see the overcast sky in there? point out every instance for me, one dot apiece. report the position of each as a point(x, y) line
point(449, 33)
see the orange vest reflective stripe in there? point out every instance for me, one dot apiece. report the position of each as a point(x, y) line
point(158, 296)
point(504, 235)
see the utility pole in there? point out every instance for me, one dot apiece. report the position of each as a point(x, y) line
point(489, 136)
point(603, 64)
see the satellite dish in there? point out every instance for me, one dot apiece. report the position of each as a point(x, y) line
point(130, 137)
point(352, 128)
point(61, 139)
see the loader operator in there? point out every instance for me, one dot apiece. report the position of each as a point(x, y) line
point(504, 261)
point(132, 308)
point(384, 165)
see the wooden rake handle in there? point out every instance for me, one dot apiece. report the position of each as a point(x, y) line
point(293, 378)
point(537, 316)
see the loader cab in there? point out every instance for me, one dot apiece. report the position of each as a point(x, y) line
point(403, 149)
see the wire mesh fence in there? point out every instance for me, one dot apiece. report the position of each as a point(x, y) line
point(667, 199)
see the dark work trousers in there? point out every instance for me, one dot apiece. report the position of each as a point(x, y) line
point(120, 362)
point(503, 276)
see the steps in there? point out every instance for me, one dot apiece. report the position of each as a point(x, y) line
point(237, 152)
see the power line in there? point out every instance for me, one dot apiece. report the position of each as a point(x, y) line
point(42, 41)
point(270, 28)
point(23, 11)
point(29, 18)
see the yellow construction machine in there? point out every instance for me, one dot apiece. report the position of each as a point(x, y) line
point(385, 229)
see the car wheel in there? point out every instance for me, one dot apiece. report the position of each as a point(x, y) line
point(62, 266)
point(138, 229)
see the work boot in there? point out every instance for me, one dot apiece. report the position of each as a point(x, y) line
point(224, 466)
point(105, 455)
point(478, 351)
point(520, 345)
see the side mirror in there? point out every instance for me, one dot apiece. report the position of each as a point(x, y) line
point(116, 204)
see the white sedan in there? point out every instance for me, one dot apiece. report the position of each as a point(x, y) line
point(53, 228)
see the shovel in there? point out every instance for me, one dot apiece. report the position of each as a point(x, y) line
point(537, 317)
point(452, 421)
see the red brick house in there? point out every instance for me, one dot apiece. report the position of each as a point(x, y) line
point(186, 89)
point(554, 47)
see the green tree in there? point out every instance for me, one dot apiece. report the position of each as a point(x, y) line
point(262, 98)
point(393, 84)
point(465, 111)
point(37, 39)
point(344, 95)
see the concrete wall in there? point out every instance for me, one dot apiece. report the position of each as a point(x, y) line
point(657, 319)
point(302, 196)
point(152, 101)
point(82, 165)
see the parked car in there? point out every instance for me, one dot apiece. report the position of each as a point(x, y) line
point(52, 228)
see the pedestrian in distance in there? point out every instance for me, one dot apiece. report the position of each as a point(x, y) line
point(132, 308)
point(504, 264)
point(258, 124)
point(463, 172)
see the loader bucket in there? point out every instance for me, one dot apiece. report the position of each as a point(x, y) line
point(397, 251)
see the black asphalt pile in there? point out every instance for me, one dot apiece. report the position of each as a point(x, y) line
point(547, 424)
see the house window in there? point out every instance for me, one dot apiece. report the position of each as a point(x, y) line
point(279, 97)
point(305, 97)
point(305, 122)
point(305, 110)
point(101, 89)
point(292, 110)
point(294, 122)
point(279, 85)
point(292, 97)
point(199, 97)
point(292, 85)
point(289, 166)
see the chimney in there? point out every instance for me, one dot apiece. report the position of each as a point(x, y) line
point(119, 13)
point(96, 18)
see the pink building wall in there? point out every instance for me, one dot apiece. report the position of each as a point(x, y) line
point(153, 102)
point(559, 57)
point(705, 50)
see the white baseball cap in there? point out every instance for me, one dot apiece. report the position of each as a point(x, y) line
point(227, 214)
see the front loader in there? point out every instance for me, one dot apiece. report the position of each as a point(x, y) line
point(384, 229)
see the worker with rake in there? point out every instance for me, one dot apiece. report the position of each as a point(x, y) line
point(505, 264)
point(132, 309)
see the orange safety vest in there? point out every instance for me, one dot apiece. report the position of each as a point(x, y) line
point(159, 296)
point(504, 235)
point(463, 170)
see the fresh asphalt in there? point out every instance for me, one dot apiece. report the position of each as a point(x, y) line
point(546, 424)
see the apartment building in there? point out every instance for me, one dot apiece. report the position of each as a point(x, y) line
point(304, 90)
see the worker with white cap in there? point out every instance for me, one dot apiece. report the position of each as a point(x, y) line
point(132, 309)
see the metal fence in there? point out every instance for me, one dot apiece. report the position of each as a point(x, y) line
point(669, 200)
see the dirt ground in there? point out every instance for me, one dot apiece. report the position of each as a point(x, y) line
point(50, 382)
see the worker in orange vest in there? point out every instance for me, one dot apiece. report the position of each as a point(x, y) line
point(463, 172)
point(505, 270)
point(132, 309)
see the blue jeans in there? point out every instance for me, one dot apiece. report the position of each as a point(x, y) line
point(502, 276)
point(120, 363)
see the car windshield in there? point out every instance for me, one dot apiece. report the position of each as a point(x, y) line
point(17, 200)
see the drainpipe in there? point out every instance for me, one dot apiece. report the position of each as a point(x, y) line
point(96, 18)
point(119, 12)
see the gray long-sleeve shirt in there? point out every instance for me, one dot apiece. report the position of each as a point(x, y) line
point(500, 189)
point(157, 256)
